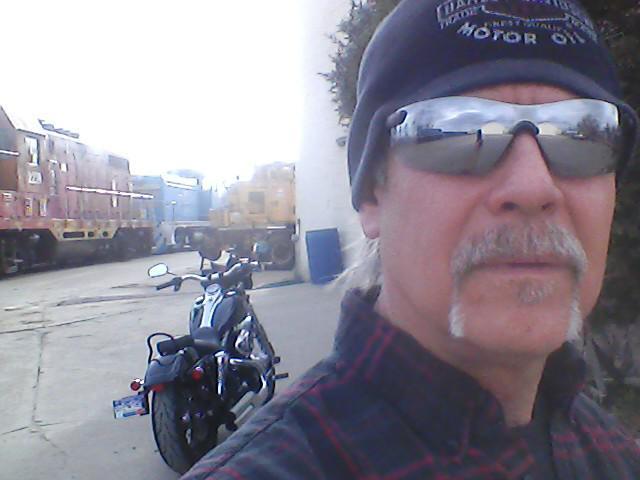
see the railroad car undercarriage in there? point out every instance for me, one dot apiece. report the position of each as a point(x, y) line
point(23, 250)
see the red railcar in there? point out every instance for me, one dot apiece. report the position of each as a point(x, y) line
point(60, 199)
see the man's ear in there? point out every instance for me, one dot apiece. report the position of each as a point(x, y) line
point(370, 219)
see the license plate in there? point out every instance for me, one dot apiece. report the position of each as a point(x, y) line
point(131, 406)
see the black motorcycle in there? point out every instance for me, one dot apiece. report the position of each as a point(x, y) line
point(217, 375)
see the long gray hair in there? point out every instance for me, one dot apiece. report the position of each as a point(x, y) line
point(365, 272)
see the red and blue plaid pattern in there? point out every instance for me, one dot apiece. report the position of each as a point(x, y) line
point(381, 407)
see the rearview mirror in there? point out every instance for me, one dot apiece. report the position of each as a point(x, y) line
point(158, 270)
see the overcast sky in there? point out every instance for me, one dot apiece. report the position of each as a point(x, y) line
point(206, 84)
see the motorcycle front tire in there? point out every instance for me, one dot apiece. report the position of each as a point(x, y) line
point(171, 436)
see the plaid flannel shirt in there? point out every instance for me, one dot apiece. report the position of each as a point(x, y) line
point(382, 407)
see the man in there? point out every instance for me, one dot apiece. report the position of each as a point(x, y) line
point(484, 153)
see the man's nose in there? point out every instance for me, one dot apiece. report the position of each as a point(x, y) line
point(523, 182)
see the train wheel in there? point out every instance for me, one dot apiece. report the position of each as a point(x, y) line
point(143, 243)
point(283, 255)
point(9, 260)
point(146, 249)
point(123, 247)
point(180, 239)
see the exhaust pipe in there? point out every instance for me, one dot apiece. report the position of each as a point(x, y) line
point(250, 401)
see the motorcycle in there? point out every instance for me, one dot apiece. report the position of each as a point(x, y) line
point(217, 375)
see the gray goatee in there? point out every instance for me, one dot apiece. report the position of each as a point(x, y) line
point(512, 242)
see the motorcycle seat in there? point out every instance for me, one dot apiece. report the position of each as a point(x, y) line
point(208, 335)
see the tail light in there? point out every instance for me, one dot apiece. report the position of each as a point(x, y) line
point(197, 374)
point(136, 384)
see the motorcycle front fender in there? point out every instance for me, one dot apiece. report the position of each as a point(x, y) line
point(165, 369)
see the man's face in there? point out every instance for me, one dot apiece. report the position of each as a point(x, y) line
point(523, 305)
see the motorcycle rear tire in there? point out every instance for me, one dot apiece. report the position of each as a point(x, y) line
point(170, 433)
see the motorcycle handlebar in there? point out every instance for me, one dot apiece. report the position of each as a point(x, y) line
point(225, 279)
point(168, 284)
point(231, 277)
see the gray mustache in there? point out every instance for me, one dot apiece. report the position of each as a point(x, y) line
point(509, 241)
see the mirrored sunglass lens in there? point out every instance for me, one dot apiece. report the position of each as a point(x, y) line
point(580, 138)
point(468, 136)
point(571, 157)
point(463, 154)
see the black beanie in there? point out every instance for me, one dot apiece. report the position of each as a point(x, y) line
point(434, 48)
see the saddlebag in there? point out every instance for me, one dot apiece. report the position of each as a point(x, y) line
point(165, 369)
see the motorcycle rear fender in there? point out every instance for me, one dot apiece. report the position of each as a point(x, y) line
point(165, 369)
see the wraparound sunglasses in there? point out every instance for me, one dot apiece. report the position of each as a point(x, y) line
point(469, 135)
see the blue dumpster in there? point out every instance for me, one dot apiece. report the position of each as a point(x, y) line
point(324, 254)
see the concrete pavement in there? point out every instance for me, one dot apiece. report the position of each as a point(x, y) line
point(73, 339)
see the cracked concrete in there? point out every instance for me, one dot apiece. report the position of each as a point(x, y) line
point(14, 430)
point(19, 360)
point(104, 298)
point(36, 387)
point(62, 324)
point(36, 426)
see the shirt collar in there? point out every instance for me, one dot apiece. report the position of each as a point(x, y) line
point(444, 405)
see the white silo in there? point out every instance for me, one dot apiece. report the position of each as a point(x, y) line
point(322, 185)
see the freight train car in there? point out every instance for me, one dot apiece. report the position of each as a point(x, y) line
point(62, 200)
point(179, 209)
